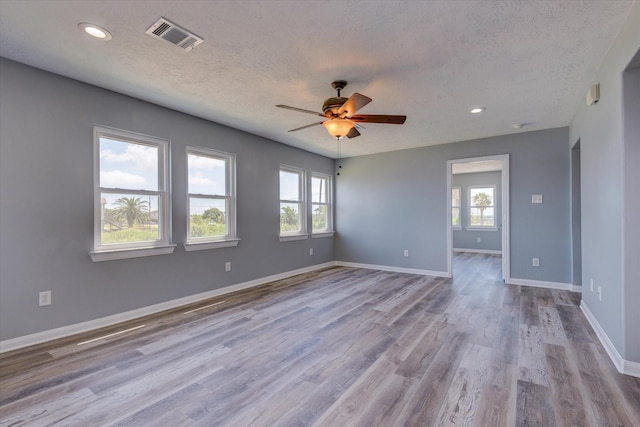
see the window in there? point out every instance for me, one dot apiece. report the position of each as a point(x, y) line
point(131, 198)
point(211, 204)
point(482, 207)
point(455, 207)
point(321, 211)
point(292, 204)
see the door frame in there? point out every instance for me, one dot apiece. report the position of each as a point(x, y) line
point(506, 250)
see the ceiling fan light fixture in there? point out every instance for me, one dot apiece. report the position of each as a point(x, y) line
point(338, 128)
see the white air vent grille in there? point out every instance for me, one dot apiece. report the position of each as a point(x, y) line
point(174, 34)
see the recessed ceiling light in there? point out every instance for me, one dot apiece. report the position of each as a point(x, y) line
point(95, 31)
point(477, 110)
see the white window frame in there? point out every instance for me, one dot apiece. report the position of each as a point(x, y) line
point(302, 205)
point(329, 205)
point(459, 207)
point(115, 251)
point(230, 238)
point(470, 206)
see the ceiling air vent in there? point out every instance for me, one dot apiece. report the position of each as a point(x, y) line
point(174, 34)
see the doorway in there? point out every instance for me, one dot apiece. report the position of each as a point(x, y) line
point(475, 165)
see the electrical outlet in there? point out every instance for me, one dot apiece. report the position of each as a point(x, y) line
point(536, 198)
point(310, 251)
point(591, 284)
point(406, 252)
point(535, 262)
point(478, 239)
point(44, 298)
point(600, 293)
point(227, 266)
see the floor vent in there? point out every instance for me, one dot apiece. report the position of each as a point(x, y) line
point(168, 31)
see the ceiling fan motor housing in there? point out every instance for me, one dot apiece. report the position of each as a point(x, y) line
point(332, 105)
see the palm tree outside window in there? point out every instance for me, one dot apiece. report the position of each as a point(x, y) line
point(482, 207)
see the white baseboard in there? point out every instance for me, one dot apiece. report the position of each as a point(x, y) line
point(623, 366)
point(631, 368)
point(543, 284)
point(65, 331)
point(394, 269)
point(478, 251)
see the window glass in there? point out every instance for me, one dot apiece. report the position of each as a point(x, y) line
point(292, 211)
point(320, 207)
point(289, 185)
point(128, 165)
point(455, 206)
point(481, 207)
point(130, 195)
point(211, 198)
point(207, 175)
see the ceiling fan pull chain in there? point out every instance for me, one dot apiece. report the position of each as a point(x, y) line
point(339, 156)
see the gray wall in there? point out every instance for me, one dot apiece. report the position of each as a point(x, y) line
point(46, 205)
point(576, 215)
point(468, 239)
point(631, 249)
point(609, 154)
point(393, 201)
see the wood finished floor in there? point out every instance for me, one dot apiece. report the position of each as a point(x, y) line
point(338, 347)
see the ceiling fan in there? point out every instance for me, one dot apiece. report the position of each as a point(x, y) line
point(340, 114)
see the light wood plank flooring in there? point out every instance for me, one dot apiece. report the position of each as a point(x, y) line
point(337, 347)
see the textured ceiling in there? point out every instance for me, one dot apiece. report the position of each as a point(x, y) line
point(525, 61)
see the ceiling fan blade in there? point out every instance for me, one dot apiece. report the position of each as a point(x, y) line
point(367, 118)
point(353, 104)
point(301, 110)
point(307, 126)
point(353, 133)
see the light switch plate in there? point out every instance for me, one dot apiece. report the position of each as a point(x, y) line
point(536, 198)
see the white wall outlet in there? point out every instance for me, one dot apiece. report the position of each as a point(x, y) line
point(478, 239)
point(535, 262)
point(406, 252)
point(227, 266)
point(600, 293)
point(591, 284)
point(536, 198)
point(44, 298)
point(310, 251)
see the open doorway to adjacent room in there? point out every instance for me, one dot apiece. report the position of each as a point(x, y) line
point(478, 209)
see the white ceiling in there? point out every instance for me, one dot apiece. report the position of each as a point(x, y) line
point(525, 61)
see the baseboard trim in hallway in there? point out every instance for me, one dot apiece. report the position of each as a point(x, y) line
point(547, 285)
point(393, 269)
point(623, 366)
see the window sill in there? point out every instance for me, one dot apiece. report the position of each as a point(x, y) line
point(292, 237)
point(99, 256)
point(482, 228)
point(323, 234)
point(202, 246)
point(456, 228)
